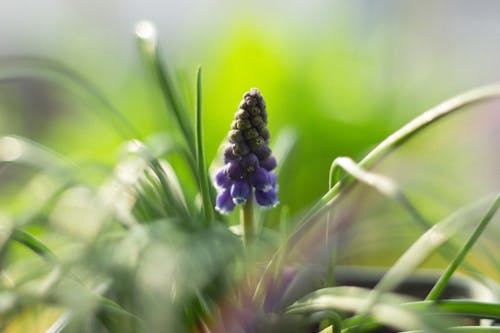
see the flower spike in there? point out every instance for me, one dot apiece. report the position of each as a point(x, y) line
point(249, 163)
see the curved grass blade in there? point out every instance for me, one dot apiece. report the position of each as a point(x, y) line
point(418, 252)
point(35, 64)
point(21, 150)
point(33, 244)
point(203, 179)
point(396, 139)
point(465, 308)
point(450, 270)
point(148, 45)
point(465, 329)
point(388, 311)
point(387, 187)
point(401, 136)
point(109, 313)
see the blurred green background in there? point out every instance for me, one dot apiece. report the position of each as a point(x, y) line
point(342, 74)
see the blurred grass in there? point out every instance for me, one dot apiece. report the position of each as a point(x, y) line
point(333, 90)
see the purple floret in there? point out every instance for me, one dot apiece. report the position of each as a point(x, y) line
point(221, 179)
point(261, 180)
point(266, 199)
point(234, 170)
point(269, 164)
point(224, 202)
point(240, 191)
point(250, 162)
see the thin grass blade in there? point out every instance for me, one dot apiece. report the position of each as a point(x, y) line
point(38, 67)
point(450, 270)
point(148, 44)
point(203, 179)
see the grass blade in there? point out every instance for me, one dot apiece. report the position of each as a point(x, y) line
point(466, 329)
point(450, 270)
point(33, 244)
point(418, 252)
point(36, 65)
point(203, 179)
point(148, 45)
point(389, 311)
point(470, 309)
point(401, 136)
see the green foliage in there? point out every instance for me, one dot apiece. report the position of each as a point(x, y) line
point(138, 247)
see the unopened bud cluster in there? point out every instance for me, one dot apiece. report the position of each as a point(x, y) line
point(248, 159)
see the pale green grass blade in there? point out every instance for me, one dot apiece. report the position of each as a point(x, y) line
point(33, 244)
point(14, 149)
point(160, 176)
point(420, 250)
point(466, 308)
point(450, 270)
point(148, 45)
point(465, 329)
point(203, 179)
point(402, 135)
point(353, 299)
point(44, 68)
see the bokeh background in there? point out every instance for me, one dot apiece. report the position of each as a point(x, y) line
point(342, 74)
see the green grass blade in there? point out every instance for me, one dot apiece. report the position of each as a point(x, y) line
point(464, 308)
point(388, 311)
point(39, 67)
point(465, 329)
point(148, 45)
point(203, 179)
point(450, 270)
point(401, 136)
point(419, 251)
point(33, 244)
point(15, 149)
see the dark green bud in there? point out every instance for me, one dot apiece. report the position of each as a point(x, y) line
point(241, 114)
point(240, 149)
point(243, 124)
point(264, 133)
point(256, 143)
point(254, 110)
point(251, 133)
point(235, 136)
point(258, 122)
point(250, 100)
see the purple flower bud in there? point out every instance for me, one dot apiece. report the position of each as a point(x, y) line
point(269, 164)
point(250, 163)
point(263, 152)
point(224, 202)
point(261, 180)
point(234, 170)
point(273, 178)
point(222, 180)
point(266, 199)
point(228, 154)
point(240, 191)
point(240, 149)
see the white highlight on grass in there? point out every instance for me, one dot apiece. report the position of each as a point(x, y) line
point(146, 32)
point(11, 149)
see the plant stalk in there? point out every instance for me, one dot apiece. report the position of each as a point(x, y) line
point(247, 225)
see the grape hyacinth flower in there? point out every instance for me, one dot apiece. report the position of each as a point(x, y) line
point(249, 163)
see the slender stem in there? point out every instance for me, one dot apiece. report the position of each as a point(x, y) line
point(200, 156)
point(247, 224)
point(443, 280)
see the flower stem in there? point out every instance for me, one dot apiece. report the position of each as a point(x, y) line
point(247, 225)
